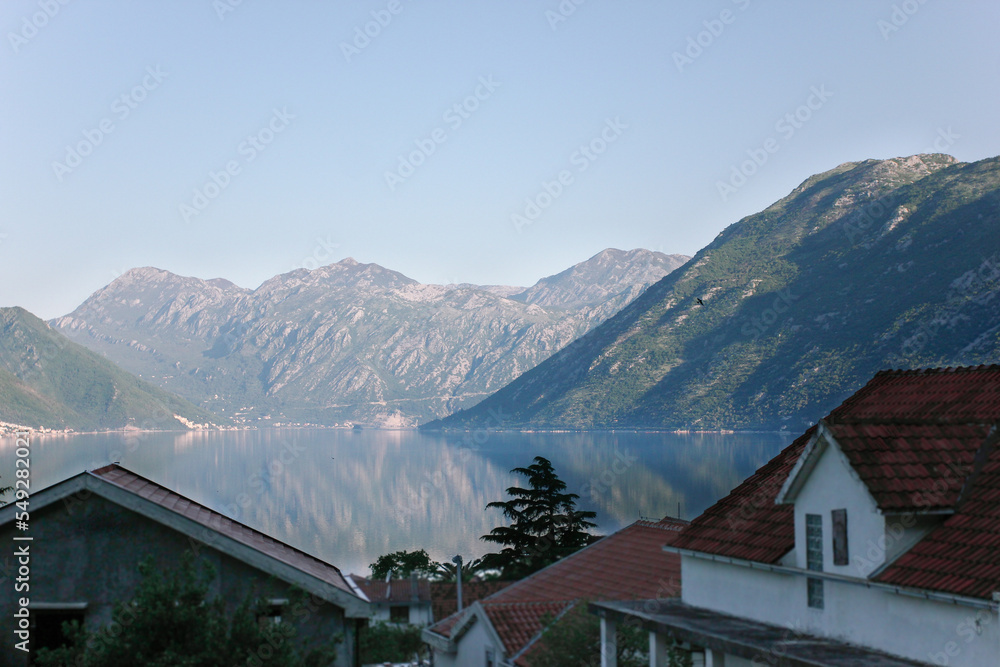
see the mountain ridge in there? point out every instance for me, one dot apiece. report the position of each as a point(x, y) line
point(48, 381)
point(784, 331)
point(347, 342)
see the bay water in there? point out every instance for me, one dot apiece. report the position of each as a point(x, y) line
point(349, 496)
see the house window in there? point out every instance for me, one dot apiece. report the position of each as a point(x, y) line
point(399, 614)
point(47, 631)
point(840, 556)
point(814, 558)
point(491, 658)
point(271, 614)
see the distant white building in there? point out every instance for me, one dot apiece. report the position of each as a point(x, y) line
point(873, 539)
point(399, 601)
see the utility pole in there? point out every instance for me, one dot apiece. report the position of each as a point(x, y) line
point(457, 560)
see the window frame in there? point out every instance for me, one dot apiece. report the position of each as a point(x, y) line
point(814, 560)
point(841, 554)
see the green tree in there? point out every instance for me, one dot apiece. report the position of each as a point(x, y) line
point(574, 640)
point(545, 524)
point(384, 642)
point(170, 622)
point(403, 563)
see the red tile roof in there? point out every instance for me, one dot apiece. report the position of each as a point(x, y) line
point(624, 565)
point(919, 440)
point(935, 395)
point(627, 565)
point(164, 497)
point(747, 523)
point(962, 556)
point(911, 467)
point(517, 623)
point(444, 598)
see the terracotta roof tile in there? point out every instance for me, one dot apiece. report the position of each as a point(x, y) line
point(393, 591)
point(444, 598)
point(962, 556)
point(627, 565)
point(517, 623)
point(936, 395)
point(624, 565)
point(144, 488)
point(747, 523)
point(911, 466)
point(919, 440)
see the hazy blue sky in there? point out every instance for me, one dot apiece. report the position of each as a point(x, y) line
point(309, 115)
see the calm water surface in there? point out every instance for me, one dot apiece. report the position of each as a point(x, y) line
point(350, 496)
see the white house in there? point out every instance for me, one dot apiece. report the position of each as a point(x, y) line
point(873, 539)
point(398, 601)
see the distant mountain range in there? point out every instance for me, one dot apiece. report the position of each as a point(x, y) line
point(348, 342)
point(49, 381)
point(871, 265)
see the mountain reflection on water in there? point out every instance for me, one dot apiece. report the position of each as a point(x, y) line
point(350, 496)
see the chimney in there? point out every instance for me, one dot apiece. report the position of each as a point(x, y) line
point(414, 587)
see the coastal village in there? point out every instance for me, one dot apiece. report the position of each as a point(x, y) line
point(871, 540)
point(499, 334)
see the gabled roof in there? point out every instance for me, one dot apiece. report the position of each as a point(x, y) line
point(912, 467)
point(444, 595)
point(629, 564)
point(962, 556)
point(207, 526)
point(394, 591)
point(922, 440)
point(517, 624)
point(747, 523)
point(965, 395)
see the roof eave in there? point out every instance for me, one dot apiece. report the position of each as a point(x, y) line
point(353, 606)
point(804, 465)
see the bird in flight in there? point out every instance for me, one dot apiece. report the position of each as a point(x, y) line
point(700, 302)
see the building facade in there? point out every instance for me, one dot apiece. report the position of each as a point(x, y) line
point(873, 539)
point(89, 532)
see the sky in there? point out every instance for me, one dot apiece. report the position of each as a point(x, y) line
point(480, 142)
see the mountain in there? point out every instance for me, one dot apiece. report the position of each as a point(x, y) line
point(49, 381)
point(346, 342)
point(597, 283)
point(871, 265)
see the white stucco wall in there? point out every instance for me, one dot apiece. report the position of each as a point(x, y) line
point(419, 614)
point(471, 649)
point(831, 485)
point(933, 632)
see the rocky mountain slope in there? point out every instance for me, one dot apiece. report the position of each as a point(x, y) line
point(350, 341)
point(871, 265)
point(49, 381)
